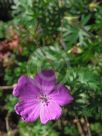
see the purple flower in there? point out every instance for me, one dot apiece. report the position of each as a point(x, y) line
point(41, 96)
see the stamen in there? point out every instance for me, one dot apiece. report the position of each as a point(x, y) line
point(43, 99)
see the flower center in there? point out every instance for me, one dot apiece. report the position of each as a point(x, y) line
point(43, 98)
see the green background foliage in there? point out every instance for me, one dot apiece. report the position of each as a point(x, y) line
point(66, 36)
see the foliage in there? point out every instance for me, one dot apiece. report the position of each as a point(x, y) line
point(64, 35)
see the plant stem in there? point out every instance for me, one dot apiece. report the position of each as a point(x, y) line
point(79, 127)
point(7, 125)
point(88, 127)
point(7, 87)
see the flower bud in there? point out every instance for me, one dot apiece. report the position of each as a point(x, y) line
point(72, 20)
point(75, 50)
point(93, 6)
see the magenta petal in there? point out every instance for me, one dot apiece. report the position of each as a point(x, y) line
point(28, 111)
point(61, 95)
point(25, 88)
point(45, 81)
point(50, 111)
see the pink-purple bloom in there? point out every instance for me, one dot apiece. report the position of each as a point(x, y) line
point(41, 96)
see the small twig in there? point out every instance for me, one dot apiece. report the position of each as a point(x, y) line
point(6, 87)
point(63, 44)
point(7, 124)
point(79, 127)
point(88, 127)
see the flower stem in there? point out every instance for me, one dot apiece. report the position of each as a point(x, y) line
point(88, 127)
point(80, 129)
point(5, 87)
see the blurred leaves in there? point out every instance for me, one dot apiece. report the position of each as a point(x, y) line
point(64, 35)
point(47, 57)
point(37, 129)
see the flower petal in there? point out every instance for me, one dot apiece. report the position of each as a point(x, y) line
point(45, 81)
point(28, 111)
point(25, 88)
point(50, 111)
point(61, 95)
